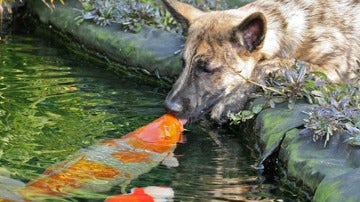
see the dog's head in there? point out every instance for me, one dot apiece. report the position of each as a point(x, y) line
point(221, 50)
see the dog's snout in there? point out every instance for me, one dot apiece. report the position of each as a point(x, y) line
point(173, 107)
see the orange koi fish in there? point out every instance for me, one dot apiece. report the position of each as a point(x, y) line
point(109, 163)
point(147, 194)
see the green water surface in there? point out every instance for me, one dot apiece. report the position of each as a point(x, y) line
point(54, 102)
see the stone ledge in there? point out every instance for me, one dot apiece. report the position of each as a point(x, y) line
point(331, 173)
point(151, 49)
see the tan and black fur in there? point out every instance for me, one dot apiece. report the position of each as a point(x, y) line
point(250, 40)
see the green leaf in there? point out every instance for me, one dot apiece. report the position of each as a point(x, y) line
point(354, 141)
point(320, 75)
point(257, 108)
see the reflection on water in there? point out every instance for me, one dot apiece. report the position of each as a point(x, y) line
point(215, 165)
point(52, 103)
point(51, 106)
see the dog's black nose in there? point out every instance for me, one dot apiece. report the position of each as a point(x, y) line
point(173, 107)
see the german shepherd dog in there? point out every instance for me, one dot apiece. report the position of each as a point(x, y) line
point(226, 48)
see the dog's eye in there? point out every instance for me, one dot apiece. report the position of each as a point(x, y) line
point(203, 66)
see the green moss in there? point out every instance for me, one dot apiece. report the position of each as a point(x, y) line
point(329, 191)
point(298, 166)
point(273, 124)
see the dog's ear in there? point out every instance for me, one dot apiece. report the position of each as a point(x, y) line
point(182, 12)
point(251, 31)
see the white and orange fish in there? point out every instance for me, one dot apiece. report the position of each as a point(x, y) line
point(109, 163)
point(146, 194)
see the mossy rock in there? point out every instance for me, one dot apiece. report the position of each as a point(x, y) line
point(341, 188)
point(151, 49)
point(272, 124)
point(331, 173)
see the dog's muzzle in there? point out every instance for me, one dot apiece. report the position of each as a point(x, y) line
point(173, 107)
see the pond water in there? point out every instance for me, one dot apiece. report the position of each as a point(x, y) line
point(54, 102)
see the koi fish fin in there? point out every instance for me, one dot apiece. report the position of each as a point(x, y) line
point(170, 161)
point(8, 189)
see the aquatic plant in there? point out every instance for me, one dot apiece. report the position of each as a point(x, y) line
point(336, 106)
